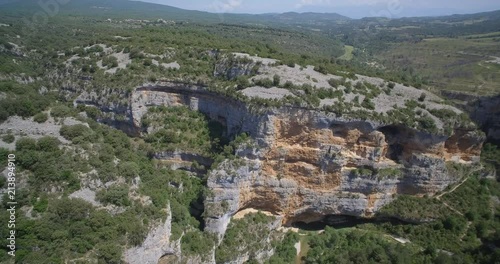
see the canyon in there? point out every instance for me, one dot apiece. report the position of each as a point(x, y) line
point(305, 164)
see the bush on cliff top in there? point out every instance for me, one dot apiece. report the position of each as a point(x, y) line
point(244, 236)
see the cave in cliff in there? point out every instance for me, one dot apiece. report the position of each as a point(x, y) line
point(393, 136)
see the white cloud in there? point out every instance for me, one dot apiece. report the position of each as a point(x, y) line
point(225, 6)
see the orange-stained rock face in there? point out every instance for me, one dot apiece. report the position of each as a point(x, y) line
point(296, 154)
point(305, 164)
point(464, 145)
point(319, 162)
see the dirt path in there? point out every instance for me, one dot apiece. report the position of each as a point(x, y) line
point(465, 231)
point(304, 248)
point(453, 209)
point(453, 189)
point(466, 175)
point(399, 239)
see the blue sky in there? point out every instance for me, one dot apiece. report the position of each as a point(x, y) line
point(351, 8)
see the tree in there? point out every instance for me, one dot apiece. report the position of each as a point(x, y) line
point(367, 103)
point(242, 82)
point(72, 132)
point(40, 117)
point(422, 97)
point(9, 138)
point(48, 144)
point(109, 253)
point(116, 194)
point(276, 80)
point(25, 144)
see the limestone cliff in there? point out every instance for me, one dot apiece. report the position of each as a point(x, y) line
point(305, 164)
point(156, 245)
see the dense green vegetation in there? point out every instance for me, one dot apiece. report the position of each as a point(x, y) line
point(249, 236)
point(465, 231)
point(22, 100)
point(48, 165)
point(491, 155)
point(359, 246)
point(178, 128)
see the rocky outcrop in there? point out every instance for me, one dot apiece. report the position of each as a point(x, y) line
point(156, 245)
point(114, 113)
point(305, 164)
point(190, 162)
point(315, 165)
point(231, 66)
point(231, 113)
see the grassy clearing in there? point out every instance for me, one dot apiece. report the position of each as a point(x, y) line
point(450, 64)
point(487, 35)
point(348, 55)
point(304, 248)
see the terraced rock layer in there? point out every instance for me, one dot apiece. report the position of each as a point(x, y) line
point(305, 164)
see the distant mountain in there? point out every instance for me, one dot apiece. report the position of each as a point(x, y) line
point(120, 9)
point(116, 9)
point(310, 16)
point(136, 9)
point(491, 15)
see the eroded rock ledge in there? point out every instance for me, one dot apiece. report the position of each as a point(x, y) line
point(305, 164)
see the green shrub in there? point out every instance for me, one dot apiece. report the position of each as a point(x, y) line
point(491, 154)
point(368, 104)
point(242, 82)
point(75, 131)
point(109, 253)
point(243, 236)
point(41, 205)
point(26, 144)
point(362, 172)
point(110, 61)
point(197, 243)
point(48, 144)
point(61, 111)
point(148, 62)
point(285, 251)
point(334, 83)
point(428, 124)
point(9, 138)
point(321, 69)
point(266, 82)
point(3, 182)
point(391, 173)
point(422, 97)
point(93, 112)
point(128, 169)
point(276, 80)
point(41, 117)
point(116, 194)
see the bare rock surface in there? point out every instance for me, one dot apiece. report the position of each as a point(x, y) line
point(155, 246)
point(20, 127)
point(264, 61)
point(87, 195)
point(266, 93)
